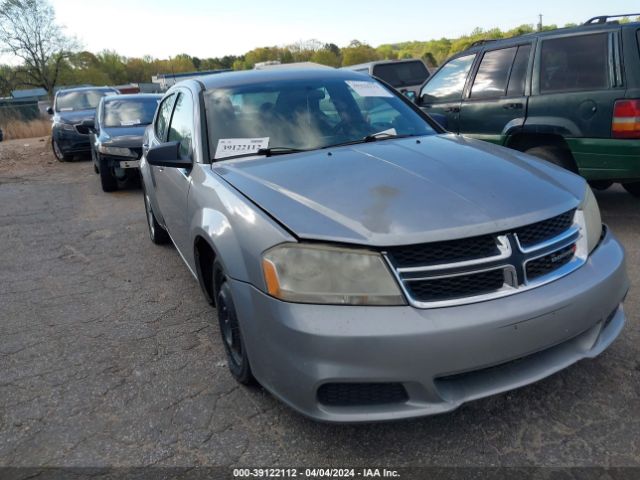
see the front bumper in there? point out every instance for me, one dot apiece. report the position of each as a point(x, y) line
point(441, 356)
point(71, 142)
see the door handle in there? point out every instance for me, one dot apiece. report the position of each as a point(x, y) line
point(452, 109)
point(512, 106)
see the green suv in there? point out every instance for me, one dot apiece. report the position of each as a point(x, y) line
point(570, 96)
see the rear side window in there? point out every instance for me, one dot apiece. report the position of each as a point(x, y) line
point(164, 115)
point(402, 74)
point(574, 63)
point(493, 73)
point(181, 129)
point(519, 71)
point(448, 82)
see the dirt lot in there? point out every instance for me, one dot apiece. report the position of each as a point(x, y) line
point(108, 356)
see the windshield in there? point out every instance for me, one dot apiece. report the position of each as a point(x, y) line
point(80, 99)
point(305, 114)
point(123, 112)
point(402, 74)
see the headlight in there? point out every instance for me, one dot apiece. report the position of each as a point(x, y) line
point(588, 216)
point(331, 275)
point(117, 151)
point(68, 126)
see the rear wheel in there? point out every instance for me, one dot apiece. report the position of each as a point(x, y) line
point(107, 180)
point(633, 188)
point(600, 184)
point(157, 234)
point(237, 359)
point(58, 153)
point(554, 154)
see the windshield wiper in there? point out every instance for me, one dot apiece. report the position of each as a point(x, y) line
point(374, 137)
point(267, 152)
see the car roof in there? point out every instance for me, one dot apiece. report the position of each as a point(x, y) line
point(82, 89)
point(382, 62)
point(495, 44)
point(134, 96)
point(254, 77)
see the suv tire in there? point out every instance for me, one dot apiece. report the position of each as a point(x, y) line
point(633, 188)
point(600, 184)
point(232, 339)
point(554, 154)
point(107, 180)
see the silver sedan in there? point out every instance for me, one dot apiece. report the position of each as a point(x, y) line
point(366, 265)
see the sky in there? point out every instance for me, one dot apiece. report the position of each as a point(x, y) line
point(213, 28)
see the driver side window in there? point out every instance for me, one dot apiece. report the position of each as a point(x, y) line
point(181, 128)
point(448, 82)
point(162, 120)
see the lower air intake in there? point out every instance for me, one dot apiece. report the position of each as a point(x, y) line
point(357, 394)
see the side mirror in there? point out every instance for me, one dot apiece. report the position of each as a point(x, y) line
point(167, 155)
point(50, 110)
point(89, 124)
point(441, 119)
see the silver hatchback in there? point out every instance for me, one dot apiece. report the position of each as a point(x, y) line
point(366, 265)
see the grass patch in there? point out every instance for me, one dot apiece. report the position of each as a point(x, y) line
point(15, 129)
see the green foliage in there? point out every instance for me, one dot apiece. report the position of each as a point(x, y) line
point(110, 68)
point(358, 52)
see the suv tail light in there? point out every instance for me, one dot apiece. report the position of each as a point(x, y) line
point(626, 119)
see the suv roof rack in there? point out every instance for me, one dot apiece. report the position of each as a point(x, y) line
point(605, 18)
point(482, 42)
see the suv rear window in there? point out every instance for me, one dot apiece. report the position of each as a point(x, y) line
point(402, 74)
point(574, 63)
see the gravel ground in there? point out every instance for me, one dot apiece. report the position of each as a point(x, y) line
point(109, 357)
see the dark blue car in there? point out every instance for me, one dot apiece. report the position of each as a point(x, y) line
point(117, 136)
point(72, 107)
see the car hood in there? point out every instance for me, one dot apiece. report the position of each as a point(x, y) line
point(123, 136)
point(76, 116)
point(404, 191)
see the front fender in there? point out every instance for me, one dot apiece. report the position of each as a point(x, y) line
point(236, 229)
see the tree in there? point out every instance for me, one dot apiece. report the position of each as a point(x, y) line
point(29, 32)
point(7, 80)
point(326, 57)
point(358, 52)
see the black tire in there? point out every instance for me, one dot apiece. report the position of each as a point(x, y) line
point(94, 161)
point(633, 188)
point(157, 233)
point(234, 346)
point(554, 154)
point(58, 153)
point(107, 180)
point(600, 184)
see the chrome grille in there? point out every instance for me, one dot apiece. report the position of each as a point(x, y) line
point(479, 268)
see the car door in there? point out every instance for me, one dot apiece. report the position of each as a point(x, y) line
point(172, 184)
point(576, 80)
point(495, 104)
point(442, 94)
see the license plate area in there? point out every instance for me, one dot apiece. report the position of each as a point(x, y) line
point(130, 164)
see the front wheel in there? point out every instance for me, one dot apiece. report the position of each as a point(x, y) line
point(633, 188)
point(107, 180)
point(237, 359)
point(58, 153)
point(157, 234)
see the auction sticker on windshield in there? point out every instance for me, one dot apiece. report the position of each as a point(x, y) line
point(368, 89)
point(229, 147)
